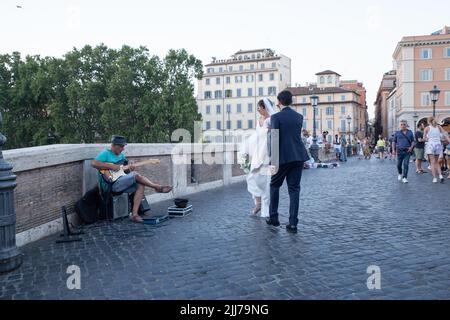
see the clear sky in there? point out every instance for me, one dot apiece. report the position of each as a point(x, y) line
point(355, 38)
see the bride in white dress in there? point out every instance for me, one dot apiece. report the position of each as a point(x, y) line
point(256, 148)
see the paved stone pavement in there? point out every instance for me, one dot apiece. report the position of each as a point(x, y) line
point(351, 218)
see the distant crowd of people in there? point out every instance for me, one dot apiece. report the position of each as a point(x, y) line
point(429, 143)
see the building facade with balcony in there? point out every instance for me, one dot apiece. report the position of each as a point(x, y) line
point(422, 62)
point(230, 90)
point(342, 105)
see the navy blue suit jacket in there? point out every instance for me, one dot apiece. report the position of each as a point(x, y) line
point(289, 134)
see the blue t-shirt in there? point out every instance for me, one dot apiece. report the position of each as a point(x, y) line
point(403, 140)
point(110, 157)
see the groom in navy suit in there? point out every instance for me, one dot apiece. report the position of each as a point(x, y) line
point(287, 155)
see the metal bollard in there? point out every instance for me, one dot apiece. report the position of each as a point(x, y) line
point(10, 256)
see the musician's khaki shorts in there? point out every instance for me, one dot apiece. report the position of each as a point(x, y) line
point(125, 184)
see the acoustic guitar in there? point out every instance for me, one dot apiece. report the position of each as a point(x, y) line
point(113, 176)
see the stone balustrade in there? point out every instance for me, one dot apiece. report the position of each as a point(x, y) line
point(49, 177)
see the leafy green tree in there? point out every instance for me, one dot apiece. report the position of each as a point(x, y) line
point(94, 92)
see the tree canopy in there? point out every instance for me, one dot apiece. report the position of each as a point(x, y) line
point(94, 92)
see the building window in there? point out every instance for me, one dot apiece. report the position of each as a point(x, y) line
point(330, 98)
point(274, 65)
point(220, 69)
point(239, 108)
point(322, 80)
point(252, 67)
point(329, 79)
point(218, 94)
point(249, 78)
point(218, 125)
point(343, 110)
point(343, 97)
point(260, 91)
point(426, 53)
point(228, 80)
point(260, 77)
point(304, 124)
point(330, 111)
point(208, 109)
point(208, 95)
point(230, 68)
point(304, 112)
point(218, 109)
point(238, 93)
point(272, 91)
point(208, 125)
point(250, 108)
point(228, 93)
point(447, 52)
point(228, 108)
point(447, 98)
point(208, 81)
point(447, 74)
point(239, 124)
point(228, 124)
point(426, 75)
point(210, 70)
point(250, 124)
point(241, 68)
point(425, 99)
point(263, 66)
point(304, 100)
point(250, 92)
point(343, 126)
point(329, 124)
point(272, 77)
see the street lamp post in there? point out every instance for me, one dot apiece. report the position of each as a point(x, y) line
point(349, 147)
point(314, 148)
point(434, 97)
point(10, 256)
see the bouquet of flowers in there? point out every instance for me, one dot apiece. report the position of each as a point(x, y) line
point(244, 161)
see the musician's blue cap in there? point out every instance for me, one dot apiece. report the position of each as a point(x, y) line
point(119, 140)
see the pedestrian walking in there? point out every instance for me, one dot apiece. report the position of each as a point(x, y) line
point(403, 146)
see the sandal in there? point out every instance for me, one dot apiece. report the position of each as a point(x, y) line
point(163, 189)
point(256, 210)
point(136, 219)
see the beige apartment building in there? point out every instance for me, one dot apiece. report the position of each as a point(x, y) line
point(342, 105)
point(421, 62)
point(230, 90)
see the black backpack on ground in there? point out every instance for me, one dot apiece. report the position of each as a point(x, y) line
point(88, 206)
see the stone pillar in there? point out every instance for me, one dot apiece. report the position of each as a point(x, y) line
point(10, 256)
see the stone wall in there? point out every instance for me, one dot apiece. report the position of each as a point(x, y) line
point(50, 177)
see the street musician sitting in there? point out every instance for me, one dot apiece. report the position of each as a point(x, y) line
point(114, 171)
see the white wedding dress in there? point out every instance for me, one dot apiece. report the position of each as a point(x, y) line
point(258, 180)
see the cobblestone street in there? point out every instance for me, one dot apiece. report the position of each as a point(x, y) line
point(350, 218)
